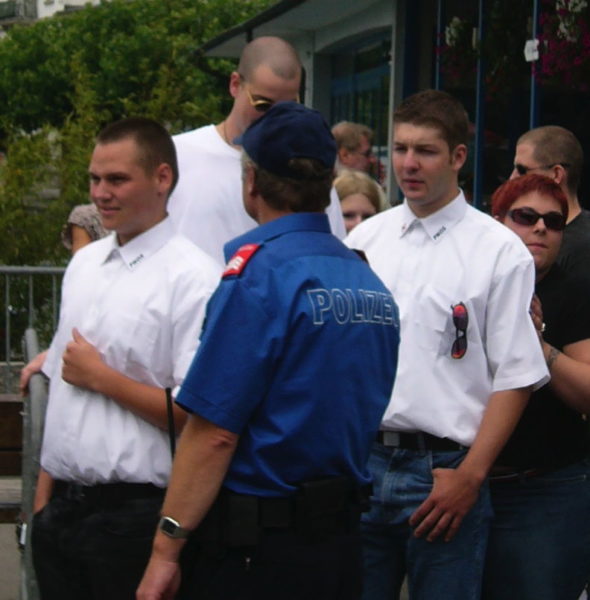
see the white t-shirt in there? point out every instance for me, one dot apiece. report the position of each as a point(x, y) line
point(206, 205)
point(458, 254)
point(142, 306)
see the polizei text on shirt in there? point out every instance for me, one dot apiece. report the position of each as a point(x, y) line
point(348, 306)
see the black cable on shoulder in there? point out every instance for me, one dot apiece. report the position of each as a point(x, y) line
point(171, 427)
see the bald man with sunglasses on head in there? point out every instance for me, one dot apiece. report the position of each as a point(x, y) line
point(555, 152)
point(206, 205)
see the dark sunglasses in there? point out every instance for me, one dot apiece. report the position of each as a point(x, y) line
point(527, 216)
point(522, 170)
point(460, 321)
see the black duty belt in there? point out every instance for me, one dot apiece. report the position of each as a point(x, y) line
point(318, 508)
point(107, 493)
point(418, 441)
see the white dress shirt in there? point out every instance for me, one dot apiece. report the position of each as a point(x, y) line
point(457, 254)
point(206, 205)
point(142, 306)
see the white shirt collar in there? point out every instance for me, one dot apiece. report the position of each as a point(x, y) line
point(439, 223)
point(139, 248)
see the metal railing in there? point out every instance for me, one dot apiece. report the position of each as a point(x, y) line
point(29, 298)
point(34, 407)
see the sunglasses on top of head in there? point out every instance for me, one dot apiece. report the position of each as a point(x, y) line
point(527, 216)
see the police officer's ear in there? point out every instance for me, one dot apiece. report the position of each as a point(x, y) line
point(250, 196)
point(249, 180)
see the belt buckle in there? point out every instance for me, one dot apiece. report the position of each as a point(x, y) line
point(391, 439)
point(74, 491)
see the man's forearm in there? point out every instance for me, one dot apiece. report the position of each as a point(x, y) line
point(455, 491)
point(83, 366)
point(43, 490)
point(500, 418)
point(570, 374)
point(201, 462)
point(146, 401)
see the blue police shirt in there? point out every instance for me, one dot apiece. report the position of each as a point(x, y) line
point(298, 356)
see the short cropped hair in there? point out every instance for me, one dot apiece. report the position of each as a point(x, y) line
point(356, 182)
point(273, 52)
point(513, 189)
point(310, 193)
point(556, 145)
point(349, 135)
point(154, 143)
point(434, 108)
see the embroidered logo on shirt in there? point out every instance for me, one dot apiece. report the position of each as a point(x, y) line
point(439, 232)
point(136, 261)
point(240, 259)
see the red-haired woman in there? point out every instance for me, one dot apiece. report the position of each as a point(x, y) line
point(539, 546)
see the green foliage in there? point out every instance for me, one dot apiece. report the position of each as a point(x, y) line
point(64, 77)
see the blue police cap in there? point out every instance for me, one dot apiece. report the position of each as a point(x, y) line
point(288, 130)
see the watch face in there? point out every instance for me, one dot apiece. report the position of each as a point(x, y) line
point(169, 526)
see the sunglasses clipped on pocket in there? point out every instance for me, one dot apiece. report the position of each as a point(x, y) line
point(460, 321)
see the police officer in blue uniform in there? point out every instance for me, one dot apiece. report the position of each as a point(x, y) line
point(294, 370)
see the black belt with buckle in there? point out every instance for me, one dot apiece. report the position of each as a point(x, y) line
point(418, 441)
point(107, 493)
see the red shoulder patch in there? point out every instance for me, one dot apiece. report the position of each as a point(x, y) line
point(240, 259)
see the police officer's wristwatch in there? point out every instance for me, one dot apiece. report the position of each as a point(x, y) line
point(172, 528)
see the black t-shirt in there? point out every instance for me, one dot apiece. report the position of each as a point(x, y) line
point(550, 433)
point(574, 255)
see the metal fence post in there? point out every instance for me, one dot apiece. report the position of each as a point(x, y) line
point(34, 408)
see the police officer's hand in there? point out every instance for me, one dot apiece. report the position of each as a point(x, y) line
point(161, 580)
point(82, 362)
point(453, 494)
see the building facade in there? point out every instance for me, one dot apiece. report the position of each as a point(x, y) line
point(514, 65)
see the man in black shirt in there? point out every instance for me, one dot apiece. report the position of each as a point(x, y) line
point(556, 152)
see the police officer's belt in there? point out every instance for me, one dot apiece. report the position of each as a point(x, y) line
point(318, 509)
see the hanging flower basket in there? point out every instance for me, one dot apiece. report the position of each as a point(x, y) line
point(565, 44)
point(501, 48)
point(458, 53)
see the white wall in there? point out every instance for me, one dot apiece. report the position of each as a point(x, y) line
point(46, 8)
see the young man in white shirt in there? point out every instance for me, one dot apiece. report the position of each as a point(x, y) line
point(469, 357)
point(131, 313)
point(206, 206)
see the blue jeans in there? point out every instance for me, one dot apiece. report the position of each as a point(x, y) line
point(402, 479)
point(539, 547)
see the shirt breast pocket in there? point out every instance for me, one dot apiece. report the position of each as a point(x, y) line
point(134, 346)
point(432, 320)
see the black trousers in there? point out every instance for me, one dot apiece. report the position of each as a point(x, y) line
point(82, 551)
point(282, 566)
